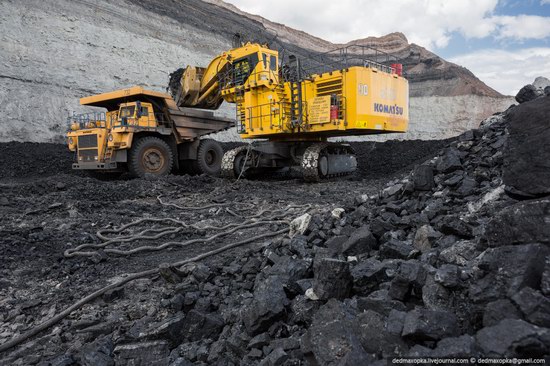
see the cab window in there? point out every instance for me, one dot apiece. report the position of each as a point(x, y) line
point(127, 112)
point(144, 111)
point(242, 68)
point(273, 63)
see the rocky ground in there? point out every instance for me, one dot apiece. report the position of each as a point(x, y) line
point(46, 209)
point(433, 249)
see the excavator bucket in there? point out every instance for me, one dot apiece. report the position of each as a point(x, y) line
point(185, 87)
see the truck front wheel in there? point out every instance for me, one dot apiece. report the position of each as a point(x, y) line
point(150, 155)
point(209, 157)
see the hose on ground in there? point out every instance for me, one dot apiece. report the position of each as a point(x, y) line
point(276, 217)
point(134, 276)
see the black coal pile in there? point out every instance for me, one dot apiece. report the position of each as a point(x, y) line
point(442, 263)
point(451, 259)
point(28, 160)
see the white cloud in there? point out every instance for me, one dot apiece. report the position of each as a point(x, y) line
point(507, 71)
point(542, 2)
point(430, 23)
point(522, 27)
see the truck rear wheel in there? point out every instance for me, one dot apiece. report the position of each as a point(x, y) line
point(150, 155)
point(209, 157)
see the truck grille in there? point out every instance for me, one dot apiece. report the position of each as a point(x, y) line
point(87, 155)
point(87, 141)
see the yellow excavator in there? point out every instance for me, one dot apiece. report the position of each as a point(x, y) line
point(291, 109)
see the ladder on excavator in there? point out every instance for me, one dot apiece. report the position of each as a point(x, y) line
point(296, 99)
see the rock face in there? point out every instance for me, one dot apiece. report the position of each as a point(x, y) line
point(526, 171)
point(57, 52)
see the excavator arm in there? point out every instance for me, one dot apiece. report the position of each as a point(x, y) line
point(199, 87)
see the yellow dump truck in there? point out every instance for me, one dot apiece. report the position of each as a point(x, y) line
point(144, 132)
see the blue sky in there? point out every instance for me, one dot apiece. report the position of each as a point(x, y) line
point(459, 44)
point(506, 43)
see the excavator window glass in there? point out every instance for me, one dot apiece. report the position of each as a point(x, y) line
point(127, 112)
point(273, 63)
point(144, 111)
point(264, 57)
point(243, 67)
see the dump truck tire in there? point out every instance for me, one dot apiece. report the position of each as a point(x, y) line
point(209, 157)
point(150, 155)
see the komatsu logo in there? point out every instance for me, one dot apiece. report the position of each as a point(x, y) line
point(391, 109)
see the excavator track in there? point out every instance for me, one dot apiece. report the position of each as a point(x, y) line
point(327, 160)
point(228, 162)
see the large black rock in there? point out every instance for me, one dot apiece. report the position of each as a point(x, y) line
point(361, 241)
point(334, 338)
point(376, 338)
point(449, 161)
point(423, 178)
point(198, 325)
point(534, 306)
point(332, 279)
point(430, 325)
point(526, 171)
point(269, 305)
point(527, 93)
point(522, 223)
point(513, 337)
point(508, 269)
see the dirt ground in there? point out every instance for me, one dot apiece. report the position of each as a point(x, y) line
point(46, 208)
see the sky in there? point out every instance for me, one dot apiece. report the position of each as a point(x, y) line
point(505, 43)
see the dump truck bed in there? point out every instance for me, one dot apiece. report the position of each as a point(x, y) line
point(188, 123)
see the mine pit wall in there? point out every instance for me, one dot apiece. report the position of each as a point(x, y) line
point(55, 52)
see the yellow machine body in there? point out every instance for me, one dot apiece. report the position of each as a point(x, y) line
point(350, 102)
point(357, 100)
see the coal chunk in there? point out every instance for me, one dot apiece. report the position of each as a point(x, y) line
point(268, 305)
point(528, 93)
point(449, 162)
point(463, 346)
point(376, 338)
point(332, 279)
point(498, 310)
point(423, 178)
point(513, 337)
point(425, 238)
point(367, 275)
point(276, 358)
point(507, 270)
point(534, 306)
point(525, 170)
point(380, 302)
point(360, 241)
point(430, 325)
point(521, 223)
point(198, 325)
point(453, 225)
point(395, 249)
point(97, 353)
point(154, 353)
point(333, 337)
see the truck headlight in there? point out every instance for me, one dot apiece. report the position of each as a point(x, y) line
point(110, 137)
point(71, 141)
